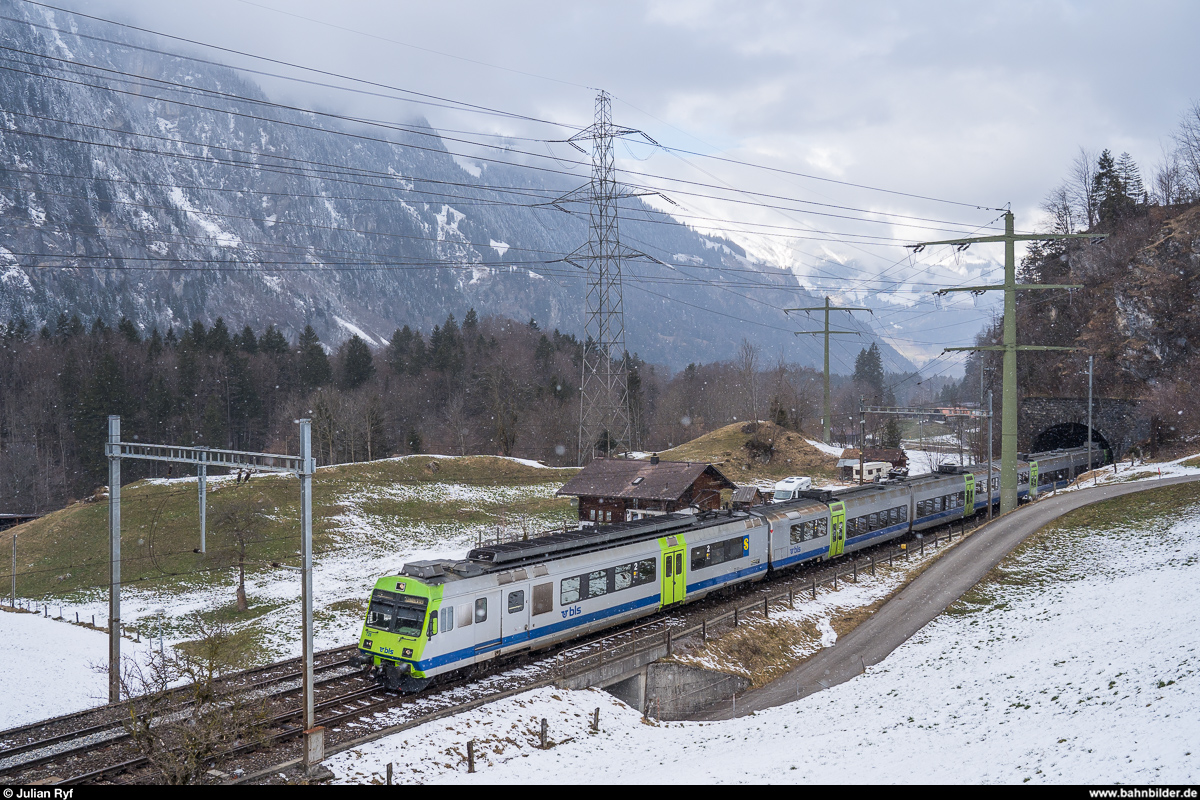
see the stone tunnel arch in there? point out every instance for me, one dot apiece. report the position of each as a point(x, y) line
point(1070, 434)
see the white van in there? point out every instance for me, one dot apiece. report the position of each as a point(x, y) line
point(790, 488)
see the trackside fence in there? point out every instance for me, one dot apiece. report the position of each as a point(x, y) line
point(651, 636)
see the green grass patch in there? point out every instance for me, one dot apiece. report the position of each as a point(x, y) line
point(65, 554)
point(355, 606)
point(1024, 567)
point(726, 449)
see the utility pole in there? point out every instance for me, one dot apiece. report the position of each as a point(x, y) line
point(990, 480)
point(862, 439)
point(604, 415)
point(1090, 358)
point(825, 409)
point(114, 545)
point(1008, 422)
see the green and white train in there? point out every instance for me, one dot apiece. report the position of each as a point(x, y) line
point(441, 616)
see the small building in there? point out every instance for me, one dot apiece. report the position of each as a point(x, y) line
point(848, 464)
point(745, 497)
point(619, 489)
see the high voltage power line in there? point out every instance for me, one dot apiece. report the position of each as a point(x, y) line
point(337, 172)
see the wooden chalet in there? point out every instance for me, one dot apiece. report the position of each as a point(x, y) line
point(619, 490)
point(745, 497)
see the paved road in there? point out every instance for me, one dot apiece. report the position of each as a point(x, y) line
point(922, 600)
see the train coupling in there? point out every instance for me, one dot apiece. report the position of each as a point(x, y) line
point(395, 675)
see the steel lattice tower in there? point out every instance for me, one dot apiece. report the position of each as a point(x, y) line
point(604, 414)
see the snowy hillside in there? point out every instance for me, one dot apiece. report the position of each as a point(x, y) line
point(1080, 666)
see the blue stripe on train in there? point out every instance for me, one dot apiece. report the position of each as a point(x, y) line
point(468, 653)
point(727, 578)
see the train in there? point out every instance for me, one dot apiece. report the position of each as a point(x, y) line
point(444, 616)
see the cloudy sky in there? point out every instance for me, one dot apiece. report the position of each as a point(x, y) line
point(979, 105)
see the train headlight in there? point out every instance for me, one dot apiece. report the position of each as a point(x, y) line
point(367, 643)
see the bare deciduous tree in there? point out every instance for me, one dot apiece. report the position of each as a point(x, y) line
point(176, 716)
point(243, 521)
point(748, 366)
point(1187, 138)
point(1081, 185)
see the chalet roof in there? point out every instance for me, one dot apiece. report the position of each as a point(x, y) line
point(746, 494)
point(619, 477)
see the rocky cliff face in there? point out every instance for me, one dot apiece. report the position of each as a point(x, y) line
point(1157, 303)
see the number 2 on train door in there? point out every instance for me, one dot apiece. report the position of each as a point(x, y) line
point(837, 528)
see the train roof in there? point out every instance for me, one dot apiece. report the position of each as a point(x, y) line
point(510, 555)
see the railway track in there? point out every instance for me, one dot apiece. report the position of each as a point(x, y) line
point(99, 750)
point(60, 739)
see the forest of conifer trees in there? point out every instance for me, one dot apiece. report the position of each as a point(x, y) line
point(479, 386)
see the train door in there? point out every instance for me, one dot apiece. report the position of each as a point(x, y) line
point(837, 528)
point(674, 584)
point(487, 613)
point(969, 503)
point(514, 625)
point(1033, 479)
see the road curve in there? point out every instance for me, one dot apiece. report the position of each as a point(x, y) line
point(929, 594)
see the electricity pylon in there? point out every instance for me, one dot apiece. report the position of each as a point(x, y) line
point(825, 409)
point(604, 416)
point(1010, 287)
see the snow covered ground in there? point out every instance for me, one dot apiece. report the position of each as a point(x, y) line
point(369, 544)
point(1081, 669)
point(38, 682)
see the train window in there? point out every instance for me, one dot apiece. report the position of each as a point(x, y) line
point(874, 521)
point(481, 610)
point(904, 513)
point(644, 572)
point(569, 593)
point(920, 508)
point(597, 583)
point(679, 563)
point(821, 528)
point(622, 577)
point(409, 619)
point(716, 553)
point(962, 499)
point(447, 619)
point(516, 601)
point(543, 598)
point(464, 614)
point(380, 615)
point(799, 532)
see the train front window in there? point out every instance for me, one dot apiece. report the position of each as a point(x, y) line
point(409, 620)
point(381, 615)
point(397, 613)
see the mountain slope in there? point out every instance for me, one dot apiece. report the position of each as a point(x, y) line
point(140, 186)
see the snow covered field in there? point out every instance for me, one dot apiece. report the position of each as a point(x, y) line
point(369, 544)
point(1082, 668)
point(37, 682)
